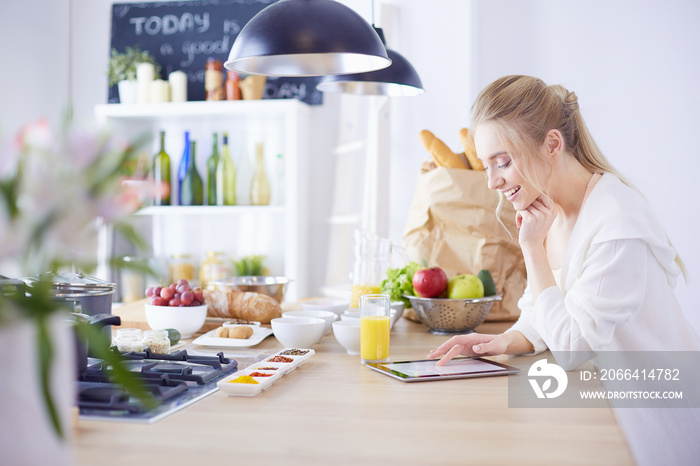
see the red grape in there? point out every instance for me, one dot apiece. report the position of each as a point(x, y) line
point(182, 281)
point(158, 301)
point(199, 294)
point(174, 302)
point(183, 288)
point(149, 291)
point(196, 303)
point(167, 294)
point(186, 298)
point(156, 290)
point(173, 286)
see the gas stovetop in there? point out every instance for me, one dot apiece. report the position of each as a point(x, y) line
point(175, 380)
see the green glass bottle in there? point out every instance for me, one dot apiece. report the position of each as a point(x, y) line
point(192, 186)
point(225, 176)
point(161, 174)
point(260, 186)
point(212, 163)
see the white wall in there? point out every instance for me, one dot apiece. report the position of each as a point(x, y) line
point(35, 63)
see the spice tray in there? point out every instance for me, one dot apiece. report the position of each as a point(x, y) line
point(261, 375)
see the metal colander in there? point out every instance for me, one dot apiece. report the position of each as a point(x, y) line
point(448, 316)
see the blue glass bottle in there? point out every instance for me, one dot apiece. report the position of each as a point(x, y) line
point(182, 168)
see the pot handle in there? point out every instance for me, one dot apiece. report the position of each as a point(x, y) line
point(102, 320)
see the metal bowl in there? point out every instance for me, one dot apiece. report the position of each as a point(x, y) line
point(271, 286)
point(450, 316)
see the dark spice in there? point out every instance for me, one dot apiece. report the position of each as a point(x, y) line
point(295, 352)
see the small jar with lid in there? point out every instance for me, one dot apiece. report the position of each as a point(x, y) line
point(214, 267)
point(214, 79)
point(129, 339)
point(181, 266)
point(157, 341)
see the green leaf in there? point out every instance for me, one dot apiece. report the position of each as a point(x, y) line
point(45, 354)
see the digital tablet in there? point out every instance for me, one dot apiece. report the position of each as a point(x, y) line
point(427, 369)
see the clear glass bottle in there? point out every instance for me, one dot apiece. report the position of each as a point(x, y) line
point(157, 341)
point(129, 339)
point(212, 164)
point(161, 174)
point(182, 168)
point(278, 187)
point(192, 190)
point(225, 176)
point(214, 267)
point(260, 186)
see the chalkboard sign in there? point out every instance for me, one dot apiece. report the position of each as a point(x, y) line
point(183, 35)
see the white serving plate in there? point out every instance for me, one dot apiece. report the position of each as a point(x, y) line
point(210, 339)
point(244, 389)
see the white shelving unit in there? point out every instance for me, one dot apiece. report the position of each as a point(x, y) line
point(279, 231)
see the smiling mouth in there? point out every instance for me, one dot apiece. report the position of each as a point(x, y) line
point(511, 192)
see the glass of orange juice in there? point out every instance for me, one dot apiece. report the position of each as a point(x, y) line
point(374, 327)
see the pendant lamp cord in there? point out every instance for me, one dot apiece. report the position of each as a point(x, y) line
point(372, 13)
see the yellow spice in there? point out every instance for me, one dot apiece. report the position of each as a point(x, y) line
point(243, 379)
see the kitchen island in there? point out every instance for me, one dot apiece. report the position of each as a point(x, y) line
point(333, 410)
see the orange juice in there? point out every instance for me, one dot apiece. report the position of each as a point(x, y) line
point(358, 290)
point(374, 338)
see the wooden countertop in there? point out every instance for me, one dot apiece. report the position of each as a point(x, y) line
point(335, 411)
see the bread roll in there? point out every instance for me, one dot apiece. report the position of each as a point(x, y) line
point(438, 150)
point(242, 332)
point(236, 304)
point(470, 150)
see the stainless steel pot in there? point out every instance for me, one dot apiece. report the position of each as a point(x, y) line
point(89, 295)
point(82, 348)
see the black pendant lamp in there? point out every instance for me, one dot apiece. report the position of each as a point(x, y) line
point(307, 38)
point(398, 80)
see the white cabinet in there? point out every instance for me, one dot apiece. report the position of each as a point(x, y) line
point(278, 231)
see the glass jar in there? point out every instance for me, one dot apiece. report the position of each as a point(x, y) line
point(181, 266)
point(214, 267)
point(214, 79)
point(157, 341)
point(129, 339)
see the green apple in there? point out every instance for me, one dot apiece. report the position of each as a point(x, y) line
point(465, 286)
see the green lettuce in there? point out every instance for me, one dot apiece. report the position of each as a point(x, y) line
point(399, 282)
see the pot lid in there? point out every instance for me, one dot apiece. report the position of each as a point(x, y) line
point(74, 284)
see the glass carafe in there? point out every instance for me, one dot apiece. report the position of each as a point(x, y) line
point(373, 256)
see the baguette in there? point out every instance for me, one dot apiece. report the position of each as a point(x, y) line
point(470, 150)
point(236, 304)
point(438, 150)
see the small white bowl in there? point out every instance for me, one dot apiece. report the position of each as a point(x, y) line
point(327, 316)
point(350, 314)
point(336, 306)
point(298, 332)
point(347, 332)
point(354, 314)
point(187, 319)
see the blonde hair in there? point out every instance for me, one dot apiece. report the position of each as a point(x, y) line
point(524, 109)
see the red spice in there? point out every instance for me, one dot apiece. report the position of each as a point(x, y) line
point(281, 359)
point(260, 374)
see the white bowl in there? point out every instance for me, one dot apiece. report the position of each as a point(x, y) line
point(328, 316)
point(347, 332)
point(298, 332)
point(354, 314)
point(186, 320)
point(336, 306)
point(350, 314)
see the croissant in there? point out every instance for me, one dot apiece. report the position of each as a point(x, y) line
point(236, 304)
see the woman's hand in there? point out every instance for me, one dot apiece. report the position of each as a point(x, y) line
point(472, 344)
point(535, 221)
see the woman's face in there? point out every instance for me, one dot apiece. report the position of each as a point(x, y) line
point(503, 176)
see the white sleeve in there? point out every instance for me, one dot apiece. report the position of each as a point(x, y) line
point(526, 305)
point(605, 294)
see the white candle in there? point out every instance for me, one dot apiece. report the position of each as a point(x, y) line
point(160, 91)
point(178, 86)
point(144, 77)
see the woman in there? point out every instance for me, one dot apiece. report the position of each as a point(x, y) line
point(600, 269)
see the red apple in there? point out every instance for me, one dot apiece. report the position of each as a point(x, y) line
point(430, 283)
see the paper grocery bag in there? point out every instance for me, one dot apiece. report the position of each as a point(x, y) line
point(452, 224)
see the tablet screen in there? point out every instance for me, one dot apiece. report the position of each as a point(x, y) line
point(429, 370)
